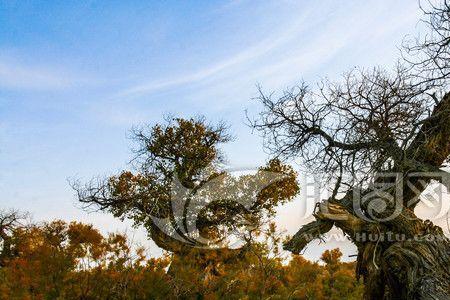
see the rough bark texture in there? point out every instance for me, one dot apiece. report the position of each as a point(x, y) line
point(405, 257)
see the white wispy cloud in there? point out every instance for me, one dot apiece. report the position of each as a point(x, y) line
point(15, 75)
point(250, 54)
point(299, 54)
point(306, 54)
point(25, 73)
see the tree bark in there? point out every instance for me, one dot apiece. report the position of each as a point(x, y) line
point(403, 257)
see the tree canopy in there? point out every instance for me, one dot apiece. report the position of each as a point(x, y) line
point(178, 189)
point(59, 260)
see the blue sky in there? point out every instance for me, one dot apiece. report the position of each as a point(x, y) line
point(75, 76)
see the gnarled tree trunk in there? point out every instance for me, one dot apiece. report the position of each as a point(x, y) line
point(402, 257)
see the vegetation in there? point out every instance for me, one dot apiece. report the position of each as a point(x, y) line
point(381, 137)
point(217, 229)
point(58, 260)
point(176, 163)
point(179, 194)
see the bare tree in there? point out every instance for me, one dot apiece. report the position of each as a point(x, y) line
point(428, 55)
point(381, 137)
point(9, 221)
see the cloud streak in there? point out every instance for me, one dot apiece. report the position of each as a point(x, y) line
point(250, 54)
point(17, 76)
point(304, 55)
point(301, 51)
